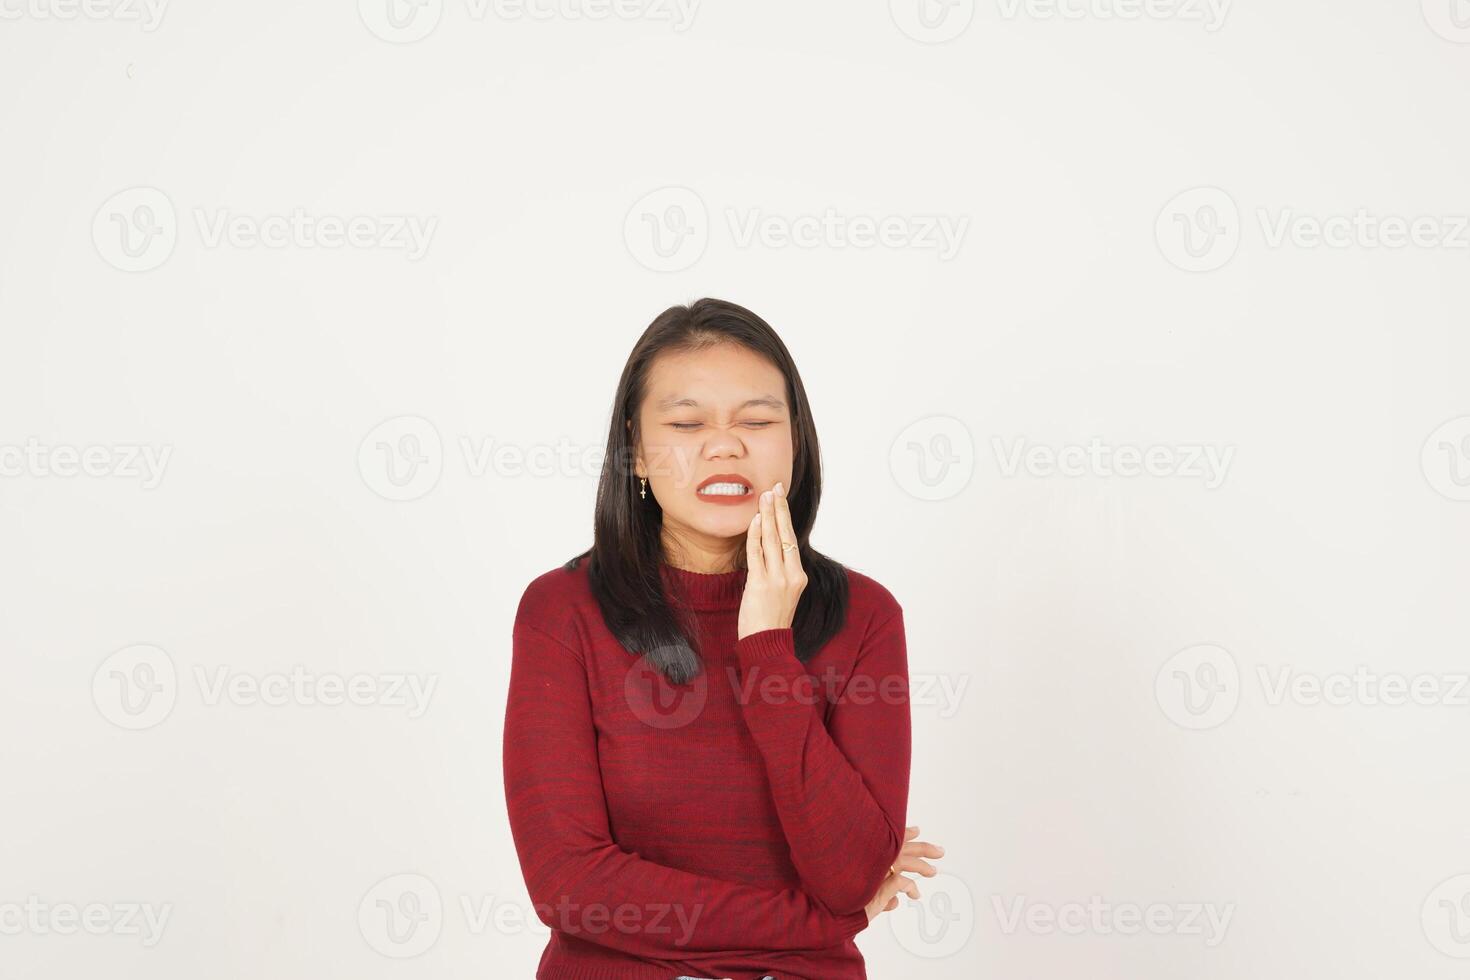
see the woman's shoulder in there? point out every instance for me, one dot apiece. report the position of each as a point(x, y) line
point(866, 595)
point(551, 599)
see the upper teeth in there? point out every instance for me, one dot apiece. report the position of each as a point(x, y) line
point(731, 489)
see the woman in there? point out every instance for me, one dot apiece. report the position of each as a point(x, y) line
point(706, 747)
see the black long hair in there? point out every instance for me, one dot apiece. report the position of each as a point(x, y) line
point(623, 564)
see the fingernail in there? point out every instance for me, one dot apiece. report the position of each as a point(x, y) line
point(765, 496)
point(941, 849)
point(780, 489)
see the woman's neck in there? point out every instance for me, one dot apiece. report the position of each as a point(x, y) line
point(688, 554)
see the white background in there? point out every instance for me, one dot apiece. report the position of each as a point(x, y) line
point(1118, 639)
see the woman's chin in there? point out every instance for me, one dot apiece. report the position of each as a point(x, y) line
point(731, 522)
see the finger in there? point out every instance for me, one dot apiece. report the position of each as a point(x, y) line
point(787, 532)
point(924, 848)
point(908, 863)
point(770, 536)
point(912, 889)
point(892, 904)
point(754, 564)
point(909, 833)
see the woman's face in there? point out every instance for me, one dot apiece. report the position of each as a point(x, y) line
point(719, 412)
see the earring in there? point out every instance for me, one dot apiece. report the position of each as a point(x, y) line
point(643, 492)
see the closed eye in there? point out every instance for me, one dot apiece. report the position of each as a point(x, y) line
point(686, 426)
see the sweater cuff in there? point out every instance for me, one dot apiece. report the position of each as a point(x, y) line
point(854, 922)
point(766, 645)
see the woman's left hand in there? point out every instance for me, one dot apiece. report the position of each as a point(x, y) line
point(774, 577)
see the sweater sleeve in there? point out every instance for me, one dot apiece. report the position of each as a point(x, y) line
point(580, 881)
point(840, 788)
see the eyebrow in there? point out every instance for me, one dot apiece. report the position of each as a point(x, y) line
point(766, 401)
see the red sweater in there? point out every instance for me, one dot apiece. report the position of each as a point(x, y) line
point(731, 827)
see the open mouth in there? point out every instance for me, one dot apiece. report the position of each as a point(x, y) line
point(725, 490)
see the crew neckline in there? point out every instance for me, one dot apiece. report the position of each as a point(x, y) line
point(707, 591)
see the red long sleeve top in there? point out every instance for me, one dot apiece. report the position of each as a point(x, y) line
point(733, 826)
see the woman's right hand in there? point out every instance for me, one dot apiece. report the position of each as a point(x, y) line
point(910, 858)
